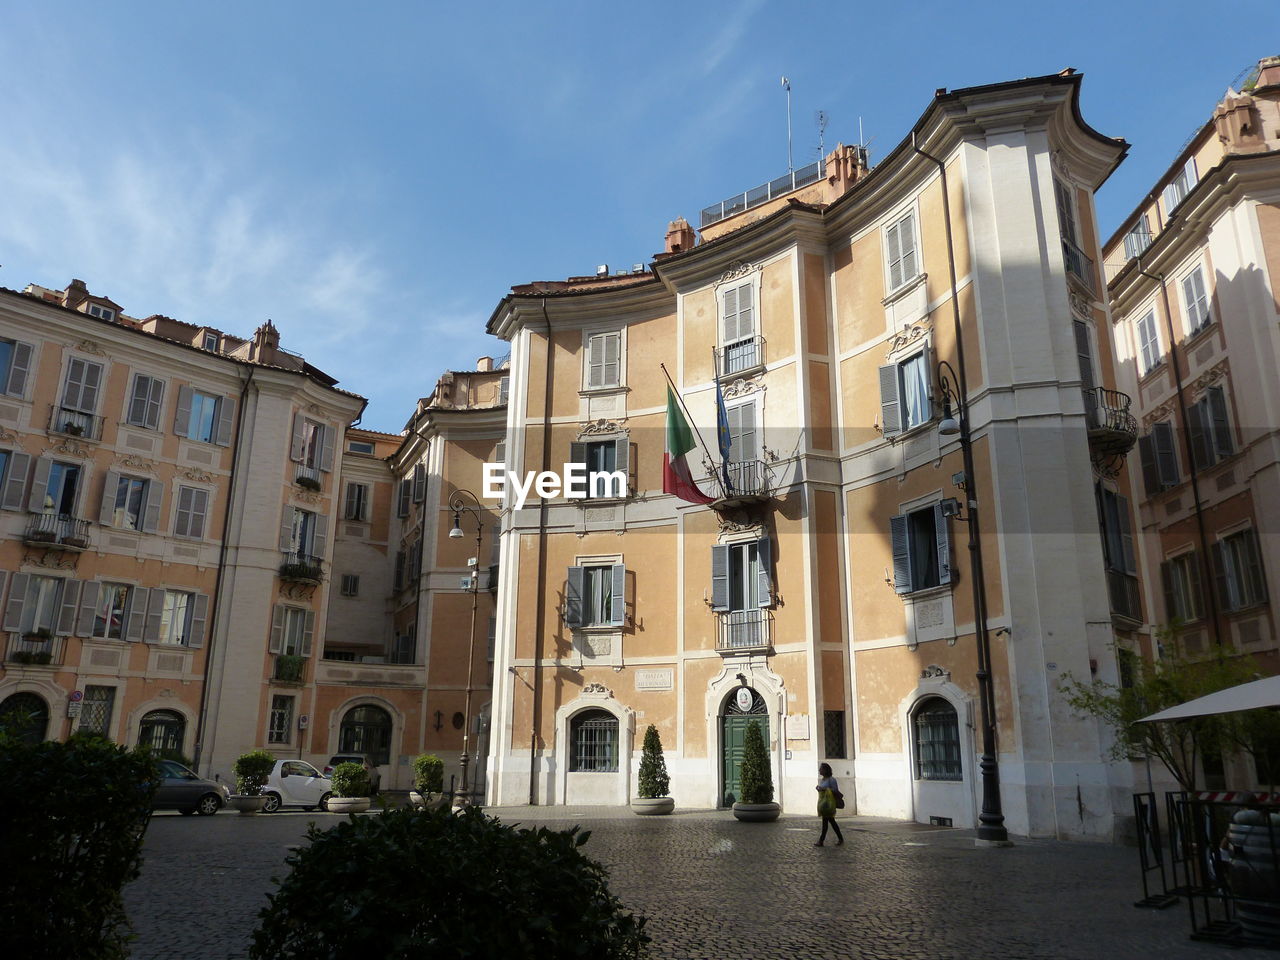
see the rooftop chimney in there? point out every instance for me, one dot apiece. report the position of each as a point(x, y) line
point(680, 236)
point(1268, 72)
point(484, 364)
point(846, 165)
point(266, 341)
point(76, 293)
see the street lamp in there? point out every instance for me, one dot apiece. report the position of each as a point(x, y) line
point(991, 820)
point(459, 505)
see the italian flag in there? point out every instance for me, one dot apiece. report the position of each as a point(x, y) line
point(676, 476)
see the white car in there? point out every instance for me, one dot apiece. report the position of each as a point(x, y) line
point(296, 783)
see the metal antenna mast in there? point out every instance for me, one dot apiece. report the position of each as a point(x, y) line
point(823, 120)
point(786, 85)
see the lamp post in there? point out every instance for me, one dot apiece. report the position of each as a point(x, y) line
point(459, 505)
point(991, 820)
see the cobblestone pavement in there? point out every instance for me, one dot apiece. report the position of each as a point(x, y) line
point(715, 888)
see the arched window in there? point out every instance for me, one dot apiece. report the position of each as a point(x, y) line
point(937, 741)
point(164, 732)
point(26, 716)
point(593, 735)
point(366, 730)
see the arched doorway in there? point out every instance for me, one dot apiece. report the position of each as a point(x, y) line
point(164, 731)
point(25, 716)
point(741, 708)
point(940, 793)
point(366, 729)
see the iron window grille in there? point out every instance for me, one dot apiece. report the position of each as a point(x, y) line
point(595, 743)
point(937, 742)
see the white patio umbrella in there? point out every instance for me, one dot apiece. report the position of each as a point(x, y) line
point(1246, 696)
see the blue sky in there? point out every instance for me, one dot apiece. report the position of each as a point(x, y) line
point(375, 182)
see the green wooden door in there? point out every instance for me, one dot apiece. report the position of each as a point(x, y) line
point(733, 738)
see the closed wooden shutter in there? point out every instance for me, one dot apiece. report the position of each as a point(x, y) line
point(39, 485)
point(402, 501)
point(622, 462)
point(19, 367)
point(276, 643)
point(319, 536)
point(1168, 576)
point(720, 577)
point(327, 438)
point(226, 416)
point(1166, 454)
point(942, 531)
point(286, 528)
point(298, 445)
point(110, 490)
point(308, 631)
point(901, 545)
point(17, 601)
point(155, 612)
point(419, 483)
point(1198, 422)
point(764, 572)
point(88, 608)
point(890, 401)
point(573, 597)
point(1216, 402)
point(199, 620)
point(182, 417)
point(154, 497)
point(15, 483)
point(137, 620)
point(68, 601)
point(1147, 456)
point(618, 597)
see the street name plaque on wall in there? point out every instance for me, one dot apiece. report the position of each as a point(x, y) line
point(663, 679)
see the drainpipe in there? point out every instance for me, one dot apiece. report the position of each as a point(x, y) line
point(540, 629)
point(201, 716)
point(1206, 573)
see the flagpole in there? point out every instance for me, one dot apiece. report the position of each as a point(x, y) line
point(698, 433)
point(727, 484)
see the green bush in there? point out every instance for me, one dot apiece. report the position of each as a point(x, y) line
point(251, 770)
point(757, 778)
point(428, 775)
point(350, 780)
point(74, 817)
point(654, 781)
point(483, 890)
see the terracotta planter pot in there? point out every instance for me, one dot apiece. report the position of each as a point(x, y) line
point(652, 806)
point(248, 806)
point(348, 804)
point(756, 812)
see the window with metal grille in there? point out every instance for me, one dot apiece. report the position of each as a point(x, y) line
point(937, 741)
point(164, 731)
point(833, 732)
point(95, 709)
point(350, 584)
point(281, 721)
point(594, 735)
point(366, 730)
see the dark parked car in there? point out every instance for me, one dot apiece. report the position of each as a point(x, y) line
point(375, 778)
point(184, 790)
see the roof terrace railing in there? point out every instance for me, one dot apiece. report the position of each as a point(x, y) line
point(764, 193)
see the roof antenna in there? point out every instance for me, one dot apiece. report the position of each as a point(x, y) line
point(786, 85)
point(823, 119)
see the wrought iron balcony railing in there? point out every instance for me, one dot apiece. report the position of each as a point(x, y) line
point(1113, 430)
point(742, 481)
point(75, 423)
point(301, 568)
point(764, 193)
point(744, 631)
point(1125, 599)
point(57, 530)
point(35, 649)
point(742, 355)
point(1078, 265)
point(289, 668)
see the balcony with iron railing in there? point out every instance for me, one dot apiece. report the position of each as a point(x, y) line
point(764, 193)
point(56, 530)
point(1113, 430)
point(1126, 601)
point(35, 648)
point(744, 631)
point(75, 423)
point(735, 358)
point(301, 568)
point(1078, 265)
point(740, 482)
point(309, 478)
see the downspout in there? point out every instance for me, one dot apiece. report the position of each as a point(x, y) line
point(218, 579)
point(1206, 573)
point(540, 629)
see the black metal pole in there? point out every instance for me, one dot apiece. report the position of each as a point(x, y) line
point(459, 505)
point(991, 820)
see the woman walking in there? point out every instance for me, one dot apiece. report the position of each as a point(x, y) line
point(828, 789)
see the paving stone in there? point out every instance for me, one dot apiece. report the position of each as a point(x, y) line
point(714, 888)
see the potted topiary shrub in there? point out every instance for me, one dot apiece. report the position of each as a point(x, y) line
point(493, 891)
point(307, 483)
point(428, 780)
point(654, 783)
point(756, 805)
point(251, 770)
point(350, 789)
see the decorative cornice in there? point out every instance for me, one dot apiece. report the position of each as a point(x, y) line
point(90, 347)
point(307, 496)
point(1211, 376)
point(737, 270)
point(603, 427)
point(135, 462)
point(909, 335)
point(199, 476)
point(70, 448)
point(935, 672)
point(8, 436)
point(597, 690)
point(745, 387)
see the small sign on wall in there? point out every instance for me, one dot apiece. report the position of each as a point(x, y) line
point(73, 708)
point(798, 726)
point(660, 679)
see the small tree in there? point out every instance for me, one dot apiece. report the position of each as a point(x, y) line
point(1175, 679)
point(494, 891)
point(654, 781)
point(74, 817)
point(757, 777)
point(251, 770)
point(350, 780)
point(428, 775)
